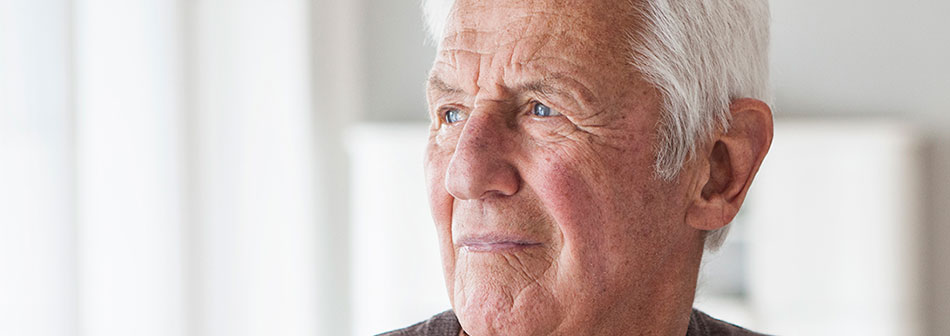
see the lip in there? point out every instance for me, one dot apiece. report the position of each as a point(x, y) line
point(495, 243)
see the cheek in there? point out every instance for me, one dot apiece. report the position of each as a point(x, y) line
point(597, 202)
point(440, 203)
point(569, 196)
point(571, 190)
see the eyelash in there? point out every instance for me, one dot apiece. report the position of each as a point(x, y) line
point(444, 112)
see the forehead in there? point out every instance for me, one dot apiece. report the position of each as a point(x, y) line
point(583, 33)
point(590, 16)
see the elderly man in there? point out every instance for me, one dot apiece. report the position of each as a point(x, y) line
point(584, 153)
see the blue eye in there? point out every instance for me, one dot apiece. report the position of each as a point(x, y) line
point(542, 110)
point(453, 116)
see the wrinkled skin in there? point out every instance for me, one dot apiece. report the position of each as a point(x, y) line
point(556, 224)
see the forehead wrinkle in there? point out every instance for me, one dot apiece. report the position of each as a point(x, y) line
point(468, 39)
point(505, 9)
point(462, 58)
point(470, 30)
point(553, 82)
point(452, 47)
point(489, 67)
point(469, 75)
point(473, 36)
point(552, 21)
point(531, 45)
point(503, 58)
point(486, 76)
point(554, 13)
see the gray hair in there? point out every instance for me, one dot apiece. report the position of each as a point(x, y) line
point(700, 55)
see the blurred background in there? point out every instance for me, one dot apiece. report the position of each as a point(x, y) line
point(250, 167)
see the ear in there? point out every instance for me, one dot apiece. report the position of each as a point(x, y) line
point(728, 164)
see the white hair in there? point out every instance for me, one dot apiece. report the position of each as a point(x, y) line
point(700, 55)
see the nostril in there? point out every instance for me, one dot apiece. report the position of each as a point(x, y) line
point(500, 192)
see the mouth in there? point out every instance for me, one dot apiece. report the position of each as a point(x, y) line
point(495, 244)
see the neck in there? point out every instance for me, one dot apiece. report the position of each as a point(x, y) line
point(665, 309)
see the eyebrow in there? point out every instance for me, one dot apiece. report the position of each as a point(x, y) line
point(541, 86)
point(559, 84)
point(440, 85)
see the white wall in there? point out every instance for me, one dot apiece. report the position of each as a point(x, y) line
point(860, 58)
point(397, 60)
point(833, 231)
point(864, 59)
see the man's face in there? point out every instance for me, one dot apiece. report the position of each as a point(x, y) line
point(540, 169)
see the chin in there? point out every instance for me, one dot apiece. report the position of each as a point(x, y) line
point(480, 322)
point(490, 309)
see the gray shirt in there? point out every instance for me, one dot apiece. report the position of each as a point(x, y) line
point(446, 324)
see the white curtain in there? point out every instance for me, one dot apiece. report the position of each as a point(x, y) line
point(164, 170)
point(37, 245)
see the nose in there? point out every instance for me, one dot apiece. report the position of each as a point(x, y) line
point(481, 165)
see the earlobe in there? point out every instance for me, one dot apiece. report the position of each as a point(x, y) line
point(732, 161)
